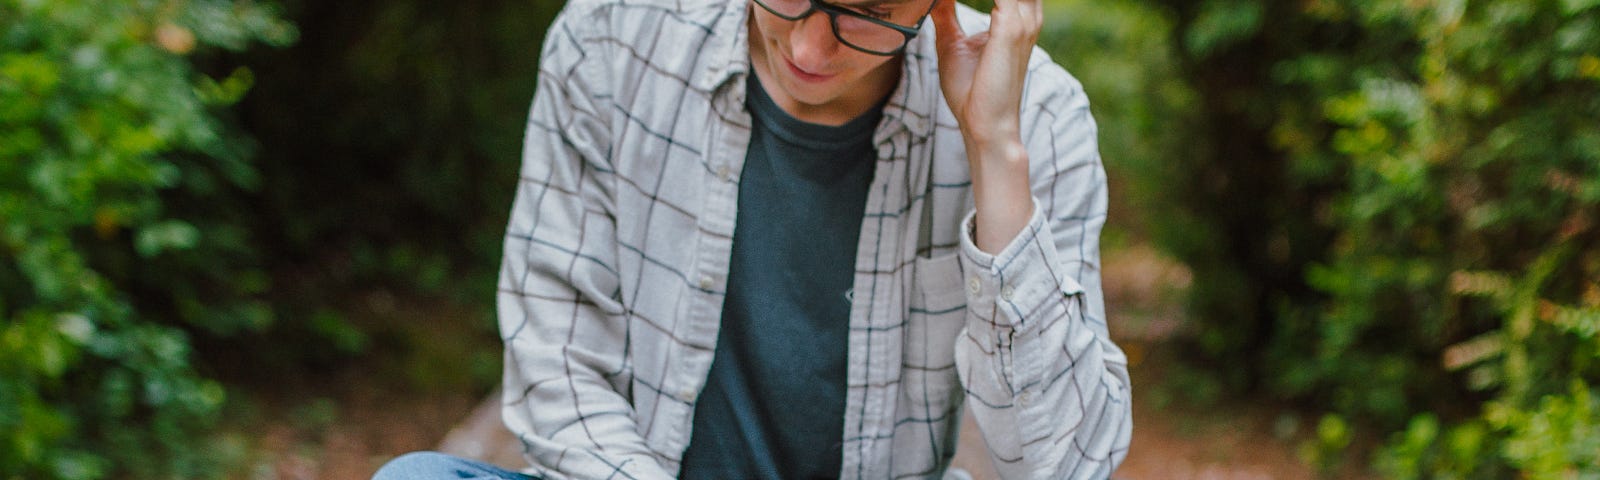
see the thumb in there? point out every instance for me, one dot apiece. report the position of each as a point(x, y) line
point(947, 29)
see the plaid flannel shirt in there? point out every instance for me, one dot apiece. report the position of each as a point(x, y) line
point(617, 252)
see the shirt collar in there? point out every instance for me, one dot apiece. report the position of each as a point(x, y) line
point(728, 51)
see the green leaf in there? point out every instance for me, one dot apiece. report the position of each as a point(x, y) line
point(76, 327)
point(164, 236)
point(1573, 7)
point(1221, 24)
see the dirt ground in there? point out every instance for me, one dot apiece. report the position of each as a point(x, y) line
point(345, 428)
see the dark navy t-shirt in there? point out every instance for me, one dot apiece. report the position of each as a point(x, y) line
point(773, 407)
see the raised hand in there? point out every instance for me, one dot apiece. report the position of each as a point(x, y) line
point(982, 74)
point(982, 77)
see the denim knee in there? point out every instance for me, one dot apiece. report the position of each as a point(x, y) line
point(435, 465)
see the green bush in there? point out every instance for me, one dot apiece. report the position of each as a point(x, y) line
point(1136, 94)
point(1390, 209)
point(147, 244)
point(393, 134)
point(103, 122)
point(390, 136)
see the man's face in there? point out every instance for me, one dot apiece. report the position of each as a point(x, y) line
point(805, 63)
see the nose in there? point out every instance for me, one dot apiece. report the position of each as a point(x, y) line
point(812, 42)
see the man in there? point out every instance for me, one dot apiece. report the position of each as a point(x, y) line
point(792, 238)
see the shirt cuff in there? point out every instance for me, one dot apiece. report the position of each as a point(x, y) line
point(1004, 288)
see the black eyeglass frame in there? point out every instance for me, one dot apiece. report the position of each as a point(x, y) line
point(834, 11)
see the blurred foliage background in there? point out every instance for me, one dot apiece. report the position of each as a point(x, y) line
point(201, 198)
point(112, 257)
point(1389, 209)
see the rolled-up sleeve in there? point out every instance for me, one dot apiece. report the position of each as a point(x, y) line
point(1049, 388)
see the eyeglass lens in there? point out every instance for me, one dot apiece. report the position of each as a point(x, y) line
point(854, 30)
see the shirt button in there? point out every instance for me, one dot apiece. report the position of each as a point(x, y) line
point(687, 395)
point(1006, 292)
point(724, 173)
point(1026, 398)
point(706, 283)
point(974, 285)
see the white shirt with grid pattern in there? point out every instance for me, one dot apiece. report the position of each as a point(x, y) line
point(617, 253)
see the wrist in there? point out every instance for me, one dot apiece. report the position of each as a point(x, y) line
point(1001, 193)
point(998, 160)
point(994, 139)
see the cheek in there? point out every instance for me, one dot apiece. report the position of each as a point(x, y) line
point(771, 29)
point(865, 63)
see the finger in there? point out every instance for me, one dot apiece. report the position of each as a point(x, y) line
point(1028, 9)
point(1030, 14)
point(947, 30)
point(1000, 18)
point(1016, 23)
point(979, 41)
point(1003, 7)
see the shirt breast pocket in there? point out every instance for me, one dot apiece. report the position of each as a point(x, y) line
point(937, 313)
point(930, 396)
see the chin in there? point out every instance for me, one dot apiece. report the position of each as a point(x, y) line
point(811, 93)
point(813, 99)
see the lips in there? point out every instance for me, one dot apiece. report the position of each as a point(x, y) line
point(804, 75)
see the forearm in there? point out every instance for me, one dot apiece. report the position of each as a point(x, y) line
point(1055, 390)
point(999, 187)
point(572, 425)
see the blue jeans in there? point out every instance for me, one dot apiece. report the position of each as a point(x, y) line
point(439, 466)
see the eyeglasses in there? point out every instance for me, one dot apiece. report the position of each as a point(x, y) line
point(854, 29)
